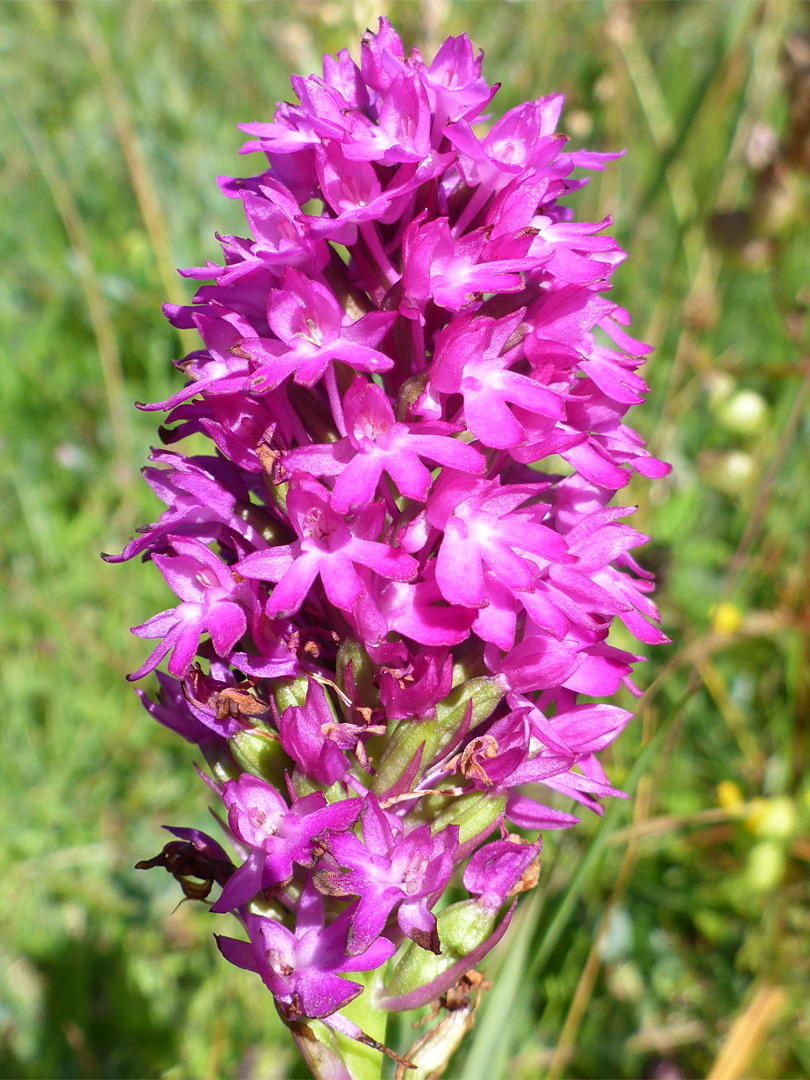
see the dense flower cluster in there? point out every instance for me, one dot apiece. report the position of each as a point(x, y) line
point(390, 594)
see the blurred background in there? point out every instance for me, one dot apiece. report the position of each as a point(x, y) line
point(670, 939)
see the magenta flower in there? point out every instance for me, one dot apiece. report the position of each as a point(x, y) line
point(276, 836)
point(382, 445)
point(305, 733)
point(390, 602)
point(327, 547)
point(451, 272)
point(494, 870)
point(472, 358)
point(302, 969)
point(487, 534)
point(211, 600)
point(311, 333)
point(387, 871)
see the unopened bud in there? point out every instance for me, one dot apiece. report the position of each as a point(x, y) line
point(289, 692)
point(462, 927)
point(355, 670)
point(400, 750)
point(485, 692)
point(475, 814)
point(220, 762)
point(260, 753)
point(471, 702)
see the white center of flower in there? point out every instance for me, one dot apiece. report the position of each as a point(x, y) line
point(266, 823)
point(313, 332)
point(315, 525)
point(369, 427)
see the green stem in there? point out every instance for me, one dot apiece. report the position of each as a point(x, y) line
point(363, 1062)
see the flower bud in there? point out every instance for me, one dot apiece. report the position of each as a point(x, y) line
point(485, 692)
point(355, 670)
point(220, 761)
point(476, 814)
point(259, 752)
point(461, 927)
point(288, 692)
point(467, 931)
point(470, 703)
point(409, 739)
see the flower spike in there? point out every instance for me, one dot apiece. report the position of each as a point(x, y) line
point(389, 602)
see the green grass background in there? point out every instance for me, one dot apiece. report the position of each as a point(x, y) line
point(115, 119)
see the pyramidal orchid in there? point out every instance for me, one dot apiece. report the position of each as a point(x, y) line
point(397, 568)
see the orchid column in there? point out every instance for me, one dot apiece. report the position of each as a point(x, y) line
point(398, 567)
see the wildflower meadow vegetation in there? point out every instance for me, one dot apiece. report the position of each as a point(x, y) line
point(400, 567)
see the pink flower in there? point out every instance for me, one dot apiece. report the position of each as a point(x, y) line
point(212, 600)
point(405, 600)
point(312, 333)
point(382, 445)
point(327, 547)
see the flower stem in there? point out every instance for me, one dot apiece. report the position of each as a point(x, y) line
point(363, 1062)
point(314, 1041)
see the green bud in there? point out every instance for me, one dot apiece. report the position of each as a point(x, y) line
point(482, 693)
point(220, 762)
point(304, 785)
point(485, 692)
point(270, 909)
point(462, 927)
point(408, 736)
point(287, 692)
point(475, 814)
point(362, 673)
point(260, 753)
